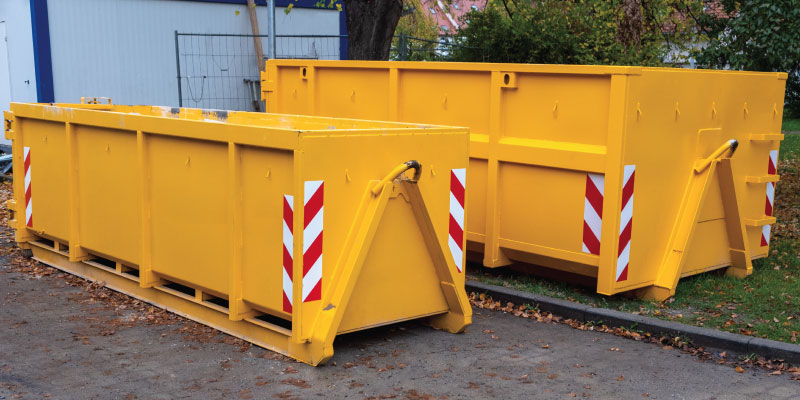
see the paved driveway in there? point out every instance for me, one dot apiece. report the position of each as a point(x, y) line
point(61, 341)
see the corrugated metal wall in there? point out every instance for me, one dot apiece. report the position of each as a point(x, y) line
point(125, 49)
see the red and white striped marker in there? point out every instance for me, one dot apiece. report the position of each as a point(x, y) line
point(288, 248)
point(772, 169)
point(593, 213)
point(28, 201)
point(312, 240)
point(625, 222)
point(455, 239)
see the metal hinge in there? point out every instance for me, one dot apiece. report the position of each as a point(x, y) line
point(8, 117)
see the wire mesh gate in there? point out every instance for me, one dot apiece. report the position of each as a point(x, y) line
point(220, 71)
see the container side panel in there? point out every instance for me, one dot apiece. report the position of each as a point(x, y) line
point(454, 98)
point(48, 182)
point(346, 165)
point(711, 237)
point(476, 196)
point(109, 200)
point(266, 177)
point(675, 118)
point(189, 211)
point(542, 206)
point(390, 285)
point(292, 92)
point(352, 93)
point(557, 108)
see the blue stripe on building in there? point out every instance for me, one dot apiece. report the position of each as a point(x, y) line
point(41, 51)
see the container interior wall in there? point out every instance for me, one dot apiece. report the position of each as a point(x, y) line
point(685, 116)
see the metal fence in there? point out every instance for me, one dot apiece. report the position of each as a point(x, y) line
point(220, 71)
point(409, 48)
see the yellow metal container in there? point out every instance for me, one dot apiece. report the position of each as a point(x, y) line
point(219, 216)
point(559, 152)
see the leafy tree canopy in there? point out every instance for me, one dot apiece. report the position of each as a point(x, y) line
point(630, 32)
point(755, 35)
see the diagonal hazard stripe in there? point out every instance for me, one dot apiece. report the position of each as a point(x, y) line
point(312, 254)
point(456, 232)
point(627, 190)
point(313, 206)
point(594, 196)
point(590, 240)
point(457, 188)
point(625, 237)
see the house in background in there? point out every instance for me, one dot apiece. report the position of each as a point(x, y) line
point(59, 51)
point(448, 14)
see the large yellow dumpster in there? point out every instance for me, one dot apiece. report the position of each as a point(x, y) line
point(282, 230)
point(559, 153)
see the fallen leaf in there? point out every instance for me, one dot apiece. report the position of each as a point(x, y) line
point(739, 369)
point(621, 377)
point(296, 382)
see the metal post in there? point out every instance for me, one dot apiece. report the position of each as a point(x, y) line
point(402, 44)
point(178, 65)
point(271, 49)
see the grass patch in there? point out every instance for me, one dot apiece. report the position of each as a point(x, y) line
point(791, 124)
point(765, 304)
point(790, 149)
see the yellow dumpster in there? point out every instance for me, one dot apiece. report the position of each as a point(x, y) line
point(282, 230)
point(559, 153)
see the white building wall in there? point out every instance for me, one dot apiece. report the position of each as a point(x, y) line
point(125, 49)
point(19, 41)
point(19, 63)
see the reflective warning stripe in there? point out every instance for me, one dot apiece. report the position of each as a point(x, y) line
point(28, 201)
point(772, 169)
point(288, 246)
point(593, 213)
point(625, 222)
point(455, 239)
point(312, 240)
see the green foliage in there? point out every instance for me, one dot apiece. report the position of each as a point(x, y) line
point(416, 35)
point(762, 35)
point(629, 32)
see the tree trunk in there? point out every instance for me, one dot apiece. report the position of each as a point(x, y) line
point(370, 27)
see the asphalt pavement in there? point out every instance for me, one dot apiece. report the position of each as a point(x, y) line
point(66, 341)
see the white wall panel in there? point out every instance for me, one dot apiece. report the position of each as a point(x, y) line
point(125, 49)
point(19, 40)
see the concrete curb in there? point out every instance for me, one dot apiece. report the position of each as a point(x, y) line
point(711, 338)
